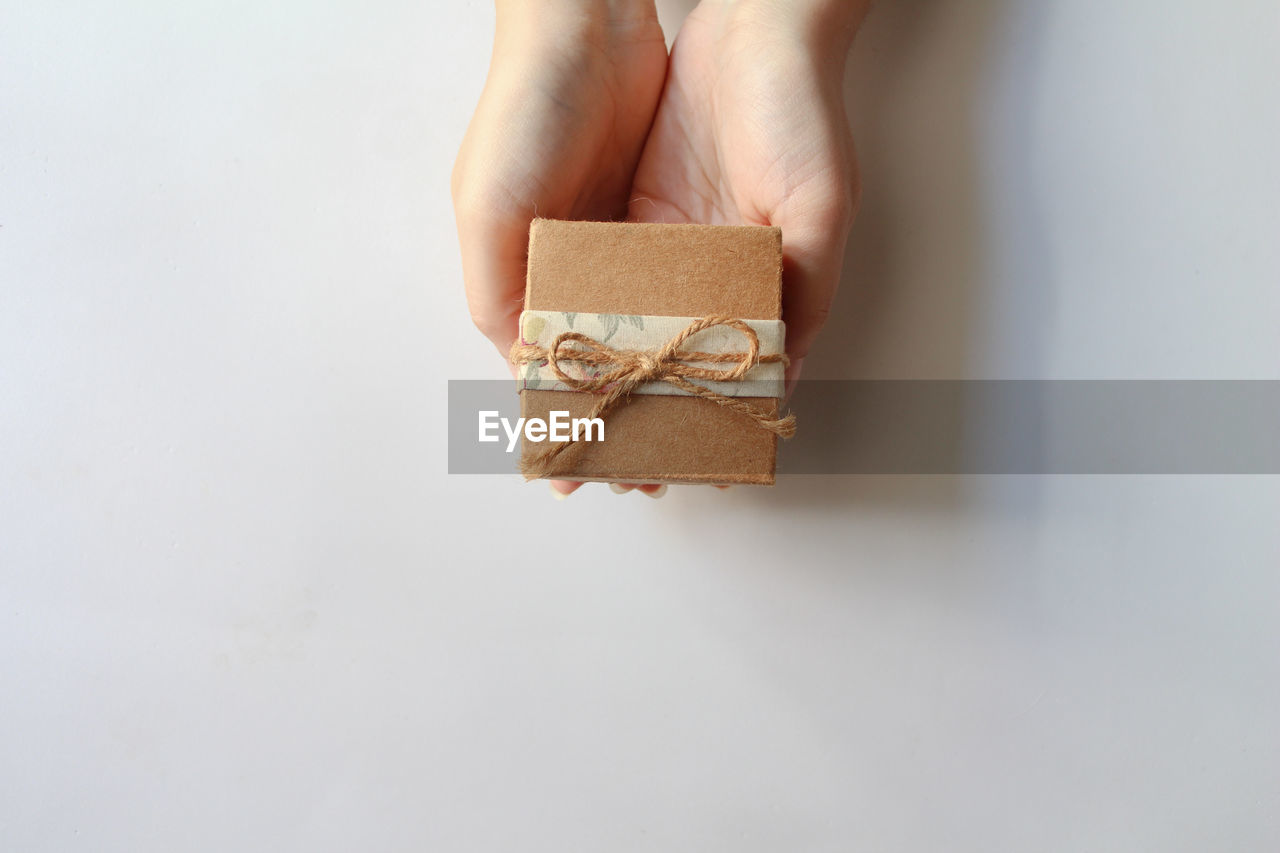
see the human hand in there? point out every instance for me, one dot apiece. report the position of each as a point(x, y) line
point(570, 96)
point(751, 130)
point(569, 99)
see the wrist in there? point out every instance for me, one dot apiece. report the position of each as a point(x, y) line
point(827, 26)
point(561, 12)
point(571, 21)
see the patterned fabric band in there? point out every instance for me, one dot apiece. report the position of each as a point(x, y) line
point(634, 334)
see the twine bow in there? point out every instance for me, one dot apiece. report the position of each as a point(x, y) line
point(633, 368)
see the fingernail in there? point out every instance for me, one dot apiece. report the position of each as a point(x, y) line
point(618, 488)
point(658, 492)
point(556, 493)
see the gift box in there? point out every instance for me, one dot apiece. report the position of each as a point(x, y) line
point(670, 335)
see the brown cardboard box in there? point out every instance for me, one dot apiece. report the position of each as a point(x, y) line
point(672, 270)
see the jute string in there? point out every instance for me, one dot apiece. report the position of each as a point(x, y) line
point(633, 368)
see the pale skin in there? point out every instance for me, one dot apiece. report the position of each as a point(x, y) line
point(585, 116)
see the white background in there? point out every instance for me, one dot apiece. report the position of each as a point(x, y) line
point(243, 607)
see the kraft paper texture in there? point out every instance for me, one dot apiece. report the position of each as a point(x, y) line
point(658, 270)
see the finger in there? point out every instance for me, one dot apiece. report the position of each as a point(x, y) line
point(561, 489)
point(792, 378)
point(812, 259)
point(494, 248)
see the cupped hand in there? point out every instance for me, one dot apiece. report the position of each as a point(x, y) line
point(751, 130)
point(568, 102)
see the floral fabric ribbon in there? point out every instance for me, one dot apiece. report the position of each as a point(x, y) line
point(648, 332)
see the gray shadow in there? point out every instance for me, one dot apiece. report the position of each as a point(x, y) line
point(916, 266)
point(924, 80)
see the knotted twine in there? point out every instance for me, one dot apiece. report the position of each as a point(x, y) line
point(633, 368)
